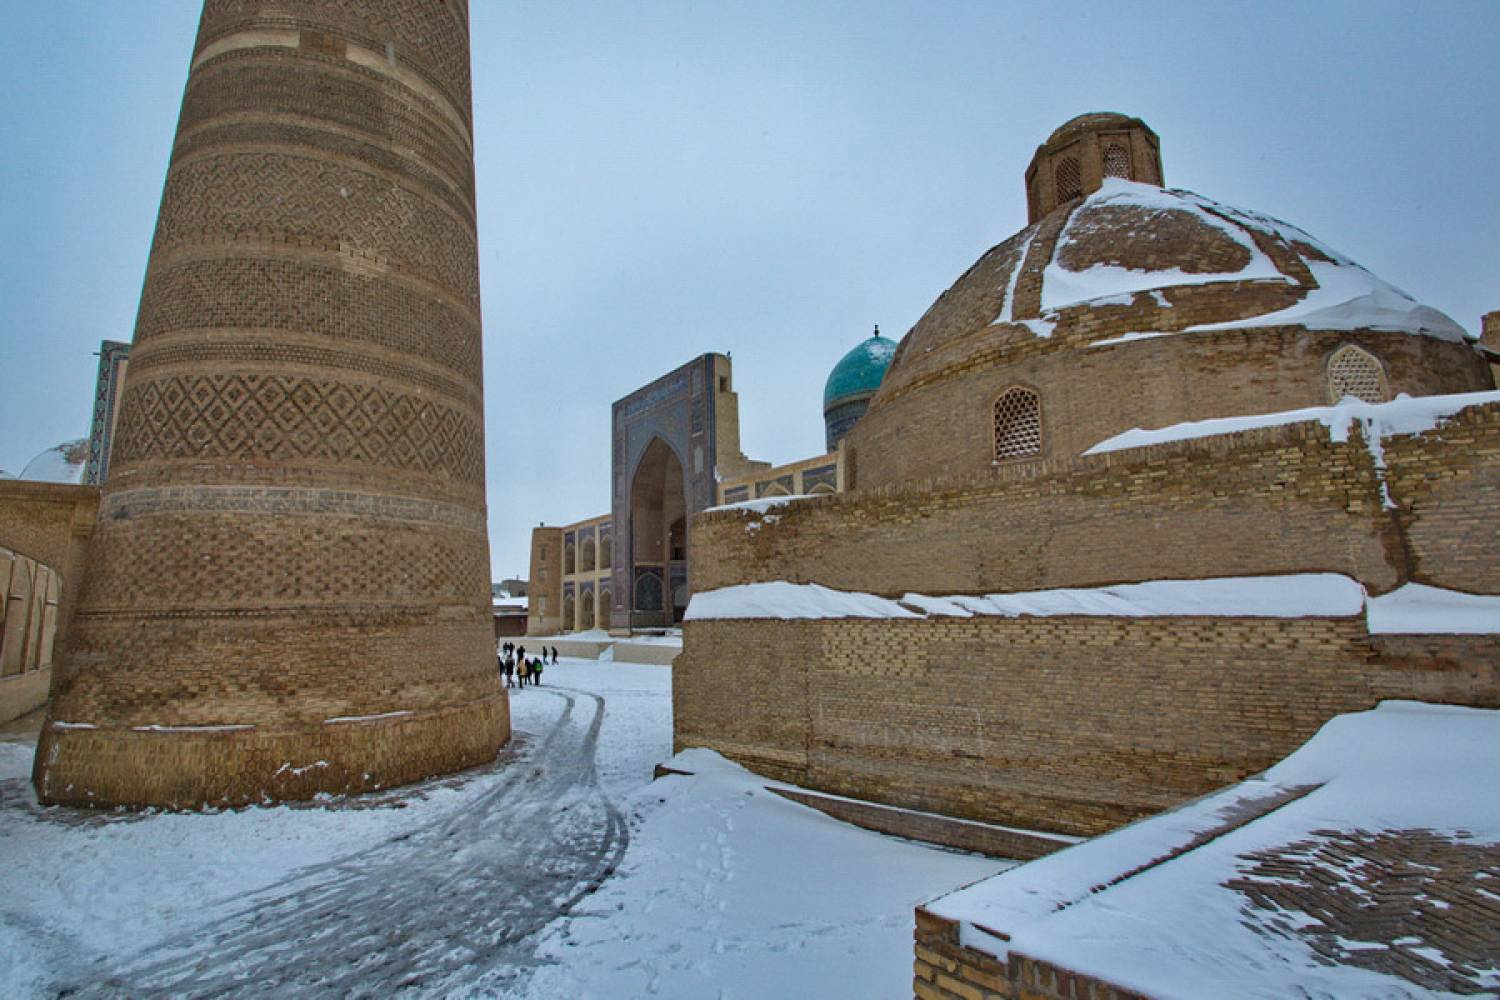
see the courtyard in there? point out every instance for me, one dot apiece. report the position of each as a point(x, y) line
point(561, 870)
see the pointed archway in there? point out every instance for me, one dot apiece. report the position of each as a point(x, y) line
point(658, 536)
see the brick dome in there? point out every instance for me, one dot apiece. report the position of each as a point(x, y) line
point(1142, 307)
point(1089, 122)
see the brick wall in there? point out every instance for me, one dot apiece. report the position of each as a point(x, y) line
point(544, 591)
point(1069, 724)
point(1278, 500)
point(948, 428)
point(44, 534)
point(1446, 484)
point(944, 969)
point(1078, 724)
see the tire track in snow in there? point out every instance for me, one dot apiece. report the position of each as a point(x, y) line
point(452, 906)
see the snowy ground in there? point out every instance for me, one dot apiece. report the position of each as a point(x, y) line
point(562, 870)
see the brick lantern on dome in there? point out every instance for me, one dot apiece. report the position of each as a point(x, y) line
point(1076, 158)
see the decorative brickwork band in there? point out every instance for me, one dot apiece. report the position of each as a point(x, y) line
point(288, 589)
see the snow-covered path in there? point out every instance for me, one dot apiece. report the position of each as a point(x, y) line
point(561, 870)
point(453, 903)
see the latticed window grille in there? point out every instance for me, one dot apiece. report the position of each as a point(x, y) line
point(1069, 179)
point(1116, 162)
point(1353, 371)
point(1018, 424)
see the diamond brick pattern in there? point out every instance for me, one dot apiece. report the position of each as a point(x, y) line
point(277, 417)
point(431, 35)
point(293, 528)
point(226, 196)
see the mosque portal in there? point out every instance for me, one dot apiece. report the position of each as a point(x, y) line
point(658, 538)
point(671, 442)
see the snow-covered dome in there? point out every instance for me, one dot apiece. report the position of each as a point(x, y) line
point(1138, 306)
point(1181, 263)
point(62, 464)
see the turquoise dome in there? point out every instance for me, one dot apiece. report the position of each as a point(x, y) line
point(859, 372)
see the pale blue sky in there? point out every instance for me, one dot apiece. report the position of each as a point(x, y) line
point(771, 179)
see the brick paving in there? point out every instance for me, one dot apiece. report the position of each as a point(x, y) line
point(1420, 904)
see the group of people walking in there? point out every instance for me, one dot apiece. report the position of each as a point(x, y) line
point(517, 669)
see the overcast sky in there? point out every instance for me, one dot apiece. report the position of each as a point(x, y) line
point(768, 179)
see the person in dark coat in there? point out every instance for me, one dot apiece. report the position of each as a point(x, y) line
point(554, 654)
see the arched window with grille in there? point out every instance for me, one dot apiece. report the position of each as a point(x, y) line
point(1116, 161)
point(1354, 371)
point(1068, 179)
point(1018, 424)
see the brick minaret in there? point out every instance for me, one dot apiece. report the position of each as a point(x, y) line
point(288, 588)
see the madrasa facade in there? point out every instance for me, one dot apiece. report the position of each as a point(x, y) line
point(1153, 490)
point(675, 452)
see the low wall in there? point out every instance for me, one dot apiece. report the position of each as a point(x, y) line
point(1067, 724)
point(50, 524)
point(24, 693)
point(931, 828)
point(584, 649)
point(944, 969)
point(646, 652)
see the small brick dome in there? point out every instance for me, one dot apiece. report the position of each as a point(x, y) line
point(1081, 153)
point(1136, 306)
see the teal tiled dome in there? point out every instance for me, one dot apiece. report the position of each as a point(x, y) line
point(859, 372)
point(846, 394)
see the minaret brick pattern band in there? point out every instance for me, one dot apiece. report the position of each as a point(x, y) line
point(288, 588)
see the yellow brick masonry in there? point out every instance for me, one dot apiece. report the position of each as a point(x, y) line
point(1266, 501)
point(1078, 724)
point(944, 969)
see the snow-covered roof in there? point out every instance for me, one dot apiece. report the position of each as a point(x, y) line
point(1345, 297)
point(62, 464)
point(1354, 868)
point(1154, 252)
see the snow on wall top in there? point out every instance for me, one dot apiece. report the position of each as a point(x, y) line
point(63, 464)
point(760, 506)
point(1347, 297)
point(1176, 928)
point(1412, 609)
point(1402, 415)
